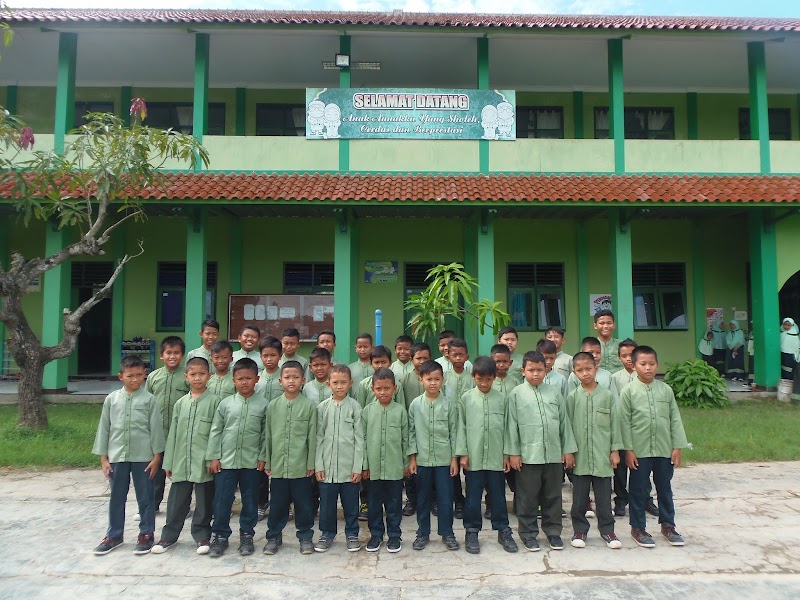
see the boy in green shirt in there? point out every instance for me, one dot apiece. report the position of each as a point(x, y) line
point(317, 390)
point(411, 385)
point(268, 386)
point(403, 365)
point(593, 346)
point(290, 340)
point(457, 382)
point(539, 439)
point(221, 382)
point(431, 446)
point(479, 443)
point(234, 451)
point(379, 358)
point(506, 378)
point(167, 384)
point(445, 338)
point(361, 369)
point(289, 449)
point(563, 363)
point(595, 427)
point(652, 435)
point(553, 377)
point(209, 332)
point(339, 459)
point(185, 460)
point(605, 324)
point(620, 379)
point(129, 442)
point(385, 461)
point(249, 335)
point(509, 337)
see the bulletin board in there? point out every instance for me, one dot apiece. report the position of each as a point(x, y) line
point(272, 313)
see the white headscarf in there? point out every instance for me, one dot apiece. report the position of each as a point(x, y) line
point(790, 338)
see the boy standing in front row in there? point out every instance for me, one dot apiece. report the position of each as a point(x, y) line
point(653, 435)
point(185, 461)
point(129, 442)
point(479, 443)
point(411, 385)
point(385, 461)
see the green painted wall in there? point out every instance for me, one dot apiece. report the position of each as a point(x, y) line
point(788, 240)
point(696, 156)
point(413, 155)
point(231, 153)
point(727, 253)
point(718, 114)
point(549, 156)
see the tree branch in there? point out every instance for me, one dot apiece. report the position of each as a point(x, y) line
point(105, 235)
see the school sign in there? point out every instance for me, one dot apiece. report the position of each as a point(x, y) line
point(422, 114)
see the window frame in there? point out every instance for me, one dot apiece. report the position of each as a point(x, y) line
point(536, 292)
point(312, 290)
point(90, 106)
point(744, 121)
point(631, 109)
point(212, 129)
point(659, 291)
point(299, 131)
point(211, 294)
point(534, 133)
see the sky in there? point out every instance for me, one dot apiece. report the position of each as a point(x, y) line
point(732, 8)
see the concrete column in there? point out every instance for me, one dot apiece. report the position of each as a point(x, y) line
point(65, 88)
point(195, 301)
point(759, 113)
point(764, 286)
point(56, 298)
point(616, 104)
point(345, 280)
point(621, 272)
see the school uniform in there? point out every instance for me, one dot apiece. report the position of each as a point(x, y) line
point(718, 340)
point(603, 378)
point(317, 391)
point(364, 394)
point(558, 381)
point(167, 386)
point(706, 349)
point(563, 364)
point(610, 355)
point(223, 386)
point(455, 386)
point(339, 453)
point(130, 434)
point(269, 386)
point(596, 429)
point(185, 456)
point(400, 369)
point(620, 379)
point(412, 387)
point(301, 359)
point(254, 355)
point(516, 366)
point(432, 437)
point(290, 444)
point(201, 352)
point(360, 370)
point(386, 452)
point(735, 343)
point(652, 428)
point(481, 437)
point(505, 386)
point(236, 440)
point(447, 366)
point(538, 430)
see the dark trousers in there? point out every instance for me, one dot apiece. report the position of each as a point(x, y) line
point(495, 485)
point(788, 363)
point(159, 484)
point(458, 490)
point(263, 489)
point(430, 481)
point(620, 481)
point(388, 494)
point(719, 360)
point(121, 475)
point(581, 484)
point(662, 469)
point(539, 484)
point(180, 497)
point(285, 491)
point(410, 483)
point(225, 483)
point(329, 493)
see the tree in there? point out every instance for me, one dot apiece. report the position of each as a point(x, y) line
point(91, 188)
point(450, 293)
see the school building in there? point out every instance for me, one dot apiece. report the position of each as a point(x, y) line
point(652, 159)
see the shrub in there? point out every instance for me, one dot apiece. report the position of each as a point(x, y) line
point(696, 383)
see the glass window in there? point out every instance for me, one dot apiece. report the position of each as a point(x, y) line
point(281, 119)
point(180, 117)
point(308, 278)
point(659, 296)
point(641, 123)
point(535, 295)
point(83, 108)
point(540, 122)
point(780, 123)
point(171, 302)
point(644, 310)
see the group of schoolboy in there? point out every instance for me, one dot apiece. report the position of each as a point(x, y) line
point(297, 436)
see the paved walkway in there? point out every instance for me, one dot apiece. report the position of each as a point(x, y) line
point(741, 523)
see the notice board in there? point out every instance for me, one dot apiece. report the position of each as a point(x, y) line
point(272, 313)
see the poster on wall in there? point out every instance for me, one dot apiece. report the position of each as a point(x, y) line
point(402, 113)
point(380, 271)
point(713, 315)
point(599, 302)
point(740, 315)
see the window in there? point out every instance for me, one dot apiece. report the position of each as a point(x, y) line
point(536, 295)
point(540, 122)
point(83, 108)
point(179, 116)
point(281, 119)
point(170, 307)
point(640, 123)
point(659, 296)
point(308, 278)
point(415, 283)
point(780, 123)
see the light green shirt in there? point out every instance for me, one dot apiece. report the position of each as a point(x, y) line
point(622, 378)
point(563, 364)
point(269, 386)
point(316, 391)
point(610, 359)
point(595, 426)
point(557, 380)
point(385, 441)
point(412, 387)
point(516, 366)
point(365, 395)
point(650, 421)
point(237, 432)
point(187, 443)
point(448, 366)
point(167, 387)
point(401, 370)
point(432, 430)
point(538, 426)
point(359, 371)
point(603, 378)
point(254, 354)
point(200, 352)
point(130, 428)
point(456, 385)
point(481, 429)
point(340, 440)
point(222, 387)
point(290, 439)
point(301, 359)
point(506, 384)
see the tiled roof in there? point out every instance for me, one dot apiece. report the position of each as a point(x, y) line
point(451, 189)
point(400, 19)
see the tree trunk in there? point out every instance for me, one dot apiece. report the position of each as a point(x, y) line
point(32, 414)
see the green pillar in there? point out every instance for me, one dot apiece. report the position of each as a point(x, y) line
point(241, 111)
point(764, 286)
point(11, 99)
point(344, 145)
point(200, 114)
point(759, 114)
point(698, 280)
point(345, 280)
point(616, 104)
point(124, 112)
point(584, 304)
point(118, 299)
point(195, 311)
point(577, 116)
point(65, 88)
point(483, 84)
point(621, 272)
point(691, 115)
point(236, 257)
point(471, 227)
point(485, 264)
point(56, 297)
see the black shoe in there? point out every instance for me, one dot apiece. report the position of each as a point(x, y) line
point(450, 542)
point(651, 507)
point(394, 545)
point(619, 510)
point(409, 508)
point(218, 546)
point(144, 543)
point(107, 545)
point(161, 547)
point(555, 542)
point(506, 540)
point(272, 545)
point(374, 544)
point(434, 509)
point(246, 547)
point(487, 514)
point(306, 547)
point(531, 544)
point(458, 512)
point(420, 542)
point(471, 543)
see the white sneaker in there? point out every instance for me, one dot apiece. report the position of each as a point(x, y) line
point(137, 517)
point(203, 547)
point(590, 514)
point(579, 540)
